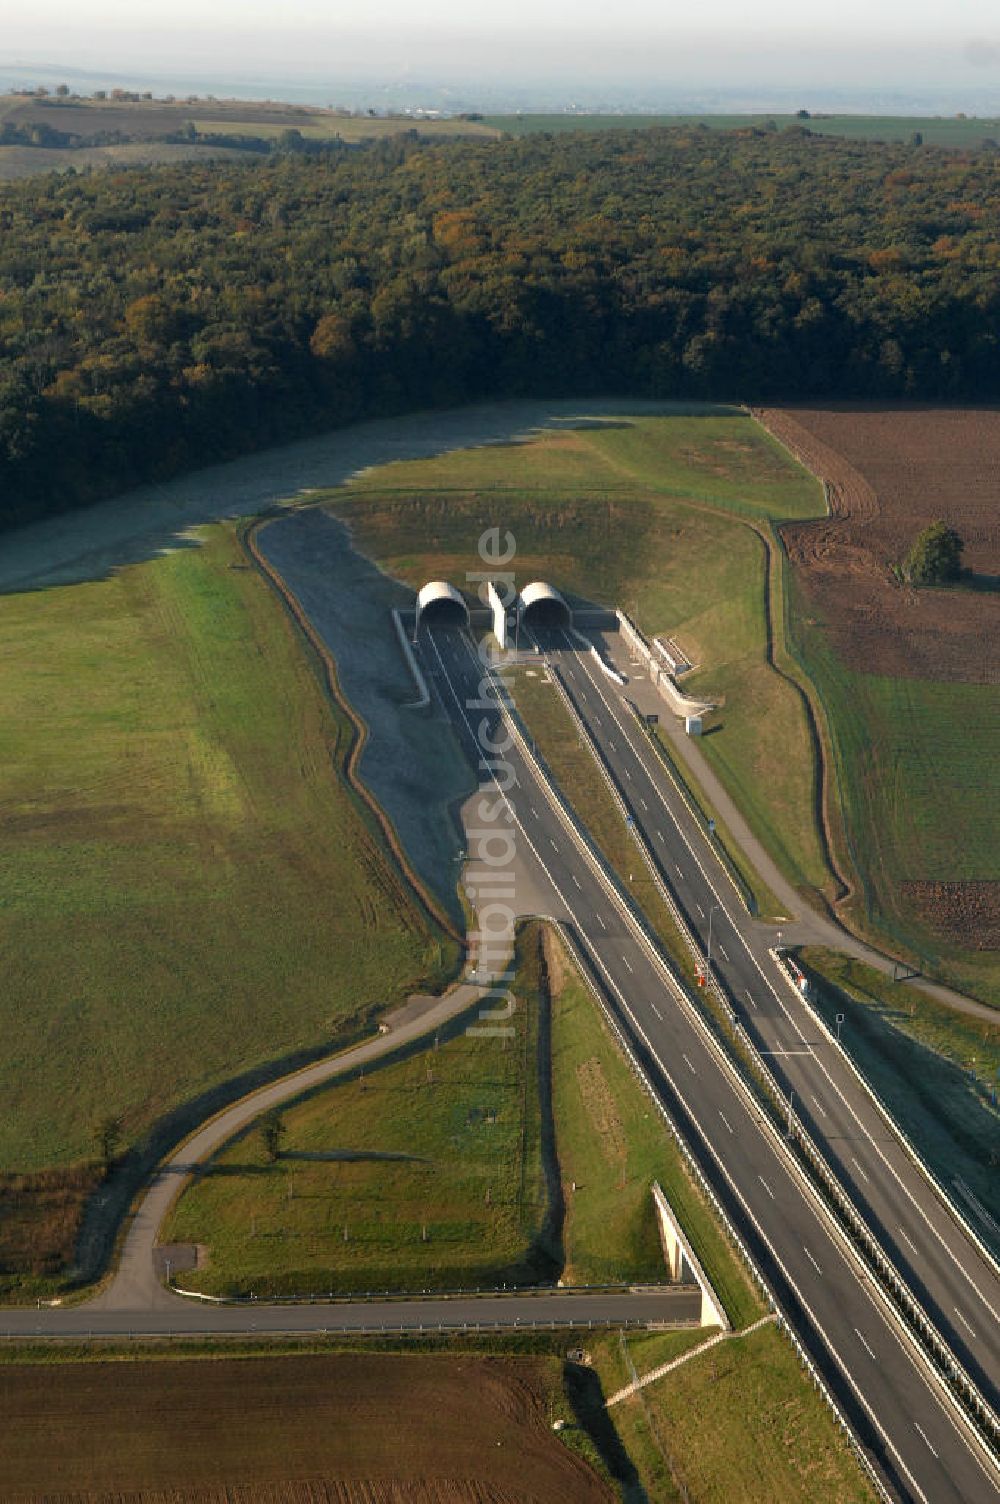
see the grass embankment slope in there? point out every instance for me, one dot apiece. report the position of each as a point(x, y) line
point(189, 888)
point(658, 515)
point(937, 1070)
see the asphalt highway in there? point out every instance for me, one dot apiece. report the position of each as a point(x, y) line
point(957, 1286)
point(909, 1429)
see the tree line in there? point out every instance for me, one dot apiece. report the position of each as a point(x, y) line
point(156, 319)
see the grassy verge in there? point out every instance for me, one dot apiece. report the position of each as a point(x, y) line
point(612, 1143)
point(190, 891)
point(735, 1425)
point(936, 1069)
point(424, 1174)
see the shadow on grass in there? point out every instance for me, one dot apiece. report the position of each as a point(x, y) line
point(586, 1398)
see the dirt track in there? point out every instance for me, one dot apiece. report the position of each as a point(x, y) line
point(338, 1429)
point(889, 471)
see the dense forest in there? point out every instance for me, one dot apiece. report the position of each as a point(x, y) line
point(155, 319)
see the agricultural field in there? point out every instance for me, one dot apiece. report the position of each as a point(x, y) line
point(909, 679)
point(343, 1428)
point(669, 517)
point(191, 892)
point(937, 130)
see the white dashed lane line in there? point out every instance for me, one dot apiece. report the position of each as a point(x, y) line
point(811, 1259)
point(766, 1186)
point(864, 1344)
point(722, 1115)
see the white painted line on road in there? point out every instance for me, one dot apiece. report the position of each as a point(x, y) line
point(811, 1259)
point(679, 872)
point(656, 1011)
point(916, 1250)
point(553, 844)
point(722, 1115)
point(660, 836)
point(766, 1186)
point(701, 911)
point(576, 880)
point(600, 921)
point(924, 1435)
point(962, 1319)
point(860, 1171)
point(688, 1064)
point(627, 962)
point(611, 745)
point(722, 953)
point(819, 1107)
point(643, 802)
point(628, 775)
point(753, 1005)
point(864, 1344)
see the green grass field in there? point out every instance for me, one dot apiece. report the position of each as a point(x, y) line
point(916, 765)
point(937, 130)
point(474, 1204)
point(189, 889)
point(432, 1165)
point(736, 1425)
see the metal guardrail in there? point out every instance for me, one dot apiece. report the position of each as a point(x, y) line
point(946, 1366)
point(725, 1221)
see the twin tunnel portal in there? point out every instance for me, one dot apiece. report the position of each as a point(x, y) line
point(537, 605)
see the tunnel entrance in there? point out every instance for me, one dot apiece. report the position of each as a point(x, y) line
point(540, 605)
point(440, 605)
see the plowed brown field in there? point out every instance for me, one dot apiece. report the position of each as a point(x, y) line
point(342, 1429)
point(889, 471)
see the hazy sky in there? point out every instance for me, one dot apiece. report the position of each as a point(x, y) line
point(920, 43)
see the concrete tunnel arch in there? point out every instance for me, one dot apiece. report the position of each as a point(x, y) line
point(441, 604)
point(540, 605)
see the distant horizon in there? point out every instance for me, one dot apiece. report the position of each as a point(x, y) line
point(537, 96)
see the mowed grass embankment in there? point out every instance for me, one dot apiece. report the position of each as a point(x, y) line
point(658, 515)
point(936, 130)
point(936, 1069)
point(189, 888)
point(736, 1425)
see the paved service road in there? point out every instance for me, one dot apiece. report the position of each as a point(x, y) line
point(955, 1283)
point(177, 1317)
point(910, 1431)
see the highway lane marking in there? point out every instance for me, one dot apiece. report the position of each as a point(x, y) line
point(753, 1005)
point(688, 1064)
point(679, 873)
point(962, 1319)
point(722, 1115)
point(628, 775)
point(819, 1107)
point(892, 1172)
point(627, 962)
point(701, 911)
point(813, 1262)
point(576, 880)
point(913, 1245)
point(643, 802)
point(722, 953)
point(864, 1344)
point(656, 1011)
point(659, 835)
point(824, 1335)
point(860, 1171)
point(924, 1435)
point(766, 1186)
point(600, 921)
point(553, 844)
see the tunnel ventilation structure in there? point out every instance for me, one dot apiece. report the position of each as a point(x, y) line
point(440, 605)
point(541, 605)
